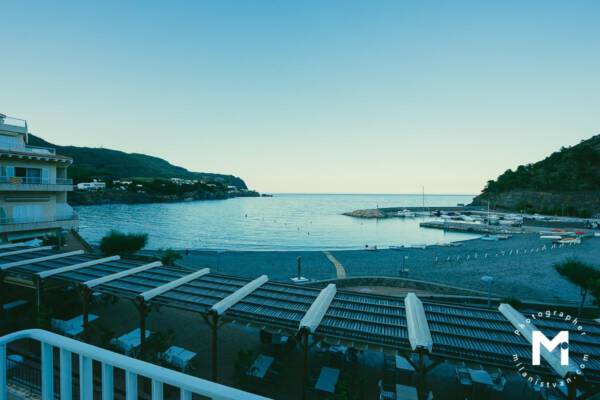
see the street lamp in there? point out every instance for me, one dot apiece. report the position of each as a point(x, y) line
point(488, 280)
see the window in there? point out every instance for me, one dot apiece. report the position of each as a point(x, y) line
point(26, 175)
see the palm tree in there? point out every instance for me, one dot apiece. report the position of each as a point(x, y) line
point(580, 274)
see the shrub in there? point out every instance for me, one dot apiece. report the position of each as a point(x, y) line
point(122, 243)
point(169, 256)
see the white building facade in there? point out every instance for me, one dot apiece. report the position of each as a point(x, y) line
point(33, 186)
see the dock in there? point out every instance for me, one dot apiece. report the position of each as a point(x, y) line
point(459, 226)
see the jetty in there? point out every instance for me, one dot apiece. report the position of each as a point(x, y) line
point(459, 226)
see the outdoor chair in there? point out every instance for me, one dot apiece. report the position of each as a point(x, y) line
point(499, 381)
point(385, 394)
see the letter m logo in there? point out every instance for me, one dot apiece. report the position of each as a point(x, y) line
point(539, 339)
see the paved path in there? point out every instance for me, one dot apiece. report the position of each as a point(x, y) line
point(339, 268)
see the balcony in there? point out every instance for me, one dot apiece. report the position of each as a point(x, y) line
point(187, 385)
point(25, 148)
point(28, 184)
point(63, 220)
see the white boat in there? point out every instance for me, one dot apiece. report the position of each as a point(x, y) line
point(405, 214)
point(490, 238)
point(551, 237)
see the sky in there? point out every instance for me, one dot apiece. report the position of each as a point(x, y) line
point(310, 96)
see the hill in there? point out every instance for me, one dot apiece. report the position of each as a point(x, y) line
point(89, 162)
point(565, 183)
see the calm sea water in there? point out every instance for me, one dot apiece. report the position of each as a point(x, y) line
point(282, 222)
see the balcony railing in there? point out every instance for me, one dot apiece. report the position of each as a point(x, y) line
point(21, 180)
point(37, 220)
point(109, 360)
point(25, 148)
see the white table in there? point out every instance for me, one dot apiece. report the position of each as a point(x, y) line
point(130, 340)
point(404, 392)
point(179, 357)
point(481, 376)
point(261, 366)
point(328, 379)
point(403, 364)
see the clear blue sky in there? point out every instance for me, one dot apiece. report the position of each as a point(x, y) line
point(362, 97)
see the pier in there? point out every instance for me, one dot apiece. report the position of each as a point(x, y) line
point(459, 226)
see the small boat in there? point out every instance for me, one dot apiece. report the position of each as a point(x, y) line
point(490, 238)
point(551, 237)
point(405, 214)
point(569, 240)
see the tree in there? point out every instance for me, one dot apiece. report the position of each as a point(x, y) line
point(580, 274)
point(122, 243)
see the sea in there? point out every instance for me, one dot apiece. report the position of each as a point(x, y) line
point(282, 222)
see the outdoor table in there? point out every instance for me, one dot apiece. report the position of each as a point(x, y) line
point(130, 340)
point(179, 357)
point(403, 364)
point(481, 376)
point(328, 379)
point(261, 366)
point(404, 392)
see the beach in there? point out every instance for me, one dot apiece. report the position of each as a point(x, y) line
point(522, 266)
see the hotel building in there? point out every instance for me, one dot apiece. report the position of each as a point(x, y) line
point(33, 186)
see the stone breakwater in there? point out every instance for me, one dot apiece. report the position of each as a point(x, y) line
point(391, 212)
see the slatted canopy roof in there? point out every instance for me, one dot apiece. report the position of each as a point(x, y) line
point(377, 322)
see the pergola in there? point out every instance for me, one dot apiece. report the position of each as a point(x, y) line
point(433, 331)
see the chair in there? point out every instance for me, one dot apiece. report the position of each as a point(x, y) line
point(499, 381)
point(384, 394)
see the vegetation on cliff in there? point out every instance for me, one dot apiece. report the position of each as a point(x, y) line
point(571, 175)
point(106, 164)
point(143, 190)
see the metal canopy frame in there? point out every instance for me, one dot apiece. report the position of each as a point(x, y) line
point(119, 275)
point(458, 332)
point(238, 295)
point(419, 334)
point(318, 308)
point(68, 268)
point(157, 291)
point(39, 259)
point(24, 251)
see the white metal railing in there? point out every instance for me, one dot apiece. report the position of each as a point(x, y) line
point(109, 360)
point(25, 148)
point(23, 180)
point(39, 220)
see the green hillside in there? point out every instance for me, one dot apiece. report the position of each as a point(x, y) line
point(91, 163)
point(568, 179)
point(574, 168)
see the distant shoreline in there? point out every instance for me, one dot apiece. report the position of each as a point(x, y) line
point(110, 196)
